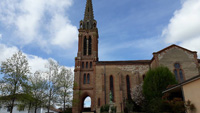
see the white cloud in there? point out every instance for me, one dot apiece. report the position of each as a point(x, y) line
point(31, 18)
point(6, 52)
point(36, 63)
point(184, 26)
point(0, 36)
point(63, 31)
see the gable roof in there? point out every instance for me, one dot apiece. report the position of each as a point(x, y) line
point(174, 45)
point(129, 62)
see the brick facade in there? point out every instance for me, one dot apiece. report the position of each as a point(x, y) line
point(98, 88)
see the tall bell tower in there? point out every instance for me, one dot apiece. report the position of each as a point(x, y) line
point(85, 62)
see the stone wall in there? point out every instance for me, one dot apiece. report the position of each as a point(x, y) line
point(186, 59)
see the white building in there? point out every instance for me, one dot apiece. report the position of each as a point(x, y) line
point(4, 109)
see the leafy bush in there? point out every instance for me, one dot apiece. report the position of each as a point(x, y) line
point(113, 109)
point(156, 81)
point(104, 108)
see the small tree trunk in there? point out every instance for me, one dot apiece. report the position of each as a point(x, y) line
point(64, 100)
point(49, 101)
point(13, 101)
point(29, 107)
point(36, 109)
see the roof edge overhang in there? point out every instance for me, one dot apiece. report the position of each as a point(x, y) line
point(182, 83)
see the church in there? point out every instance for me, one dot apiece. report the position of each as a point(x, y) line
point(98, 79)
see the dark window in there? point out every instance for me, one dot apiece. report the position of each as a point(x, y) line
point(178, 72)
point(143, 77)
point(90, 64)
point(85, 46)
point(86, 64)
point(128, 87)
point(111, 87)
point(177, 65)
point(99, 103)
point(82, 64)
point(181, 75)
point(84, 79)
point(90, 46)
point(87, 25)
point(88, 78)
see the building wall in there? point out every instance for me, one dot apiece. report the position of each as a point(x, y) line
point(119, 73)
point(192, 93)
point(187, 60)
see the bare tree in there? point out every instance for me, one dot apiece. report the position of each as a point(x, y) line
point(14, 81)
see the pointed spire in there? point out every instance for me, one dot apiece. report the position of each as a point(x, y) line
point(89, 11)
point(89, 22)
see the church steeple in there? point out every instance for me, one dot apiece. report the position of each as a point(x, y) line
point(89, 22)
point(89, 11)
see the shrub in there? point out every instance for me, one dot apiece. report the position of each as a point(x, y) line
point(104, 108)
point(156, 81)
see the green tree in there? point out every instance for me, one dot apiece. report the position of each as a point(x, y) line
point(65, 86)
point(39, 88)
point(14, 81)
point(155, 82)
point(53, 81)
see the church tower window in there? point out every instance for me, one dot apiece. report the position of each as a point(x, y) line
point(128, 87)
point(90, 64)
point(85, 46)
point(82, 64)
point(88, 78)
point(86, 64)
point(90, 46)
point(112, 87)
point(84, 79)
point(178, 72)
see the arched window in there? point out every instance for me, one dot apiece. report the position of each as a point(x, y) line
point(86, 64)
point(82, 64)
point(90, 46)
point(90, 64)
point(88, 78)
point(99, 103)
point(112, 87)
point(87, 103)
point(84, 79)
point(128, 87)
point(178, 72)
point(85, 46)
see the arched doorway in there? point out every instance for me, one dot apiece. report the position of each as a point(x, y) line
point(87, 102)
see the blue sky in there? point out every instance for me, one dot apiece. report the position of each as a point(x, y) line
point(128, 29)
